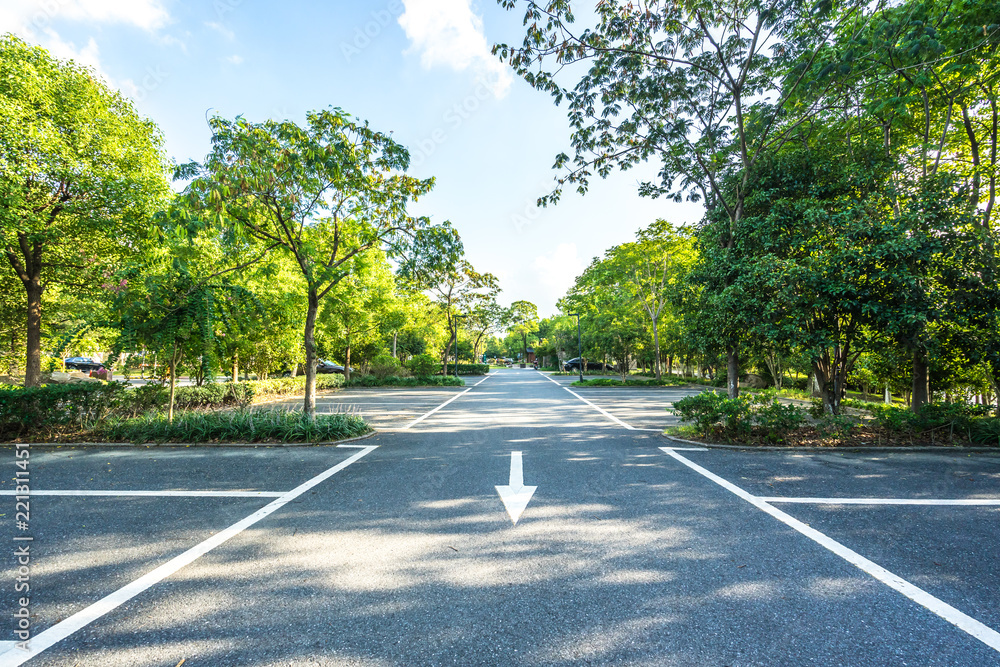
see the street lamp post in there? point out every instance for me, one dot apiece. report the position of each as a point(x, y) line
point(457, 318)
point(579, 344)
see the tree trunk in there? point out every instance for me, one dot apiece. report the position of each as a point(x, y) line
point(309, 404)
point(670, 365)
point(447, 349)
point(827, 391)
point(173, 384)
point(921, 380)
point(394, 335)
point(236, 367)
point(656, 348)
point(33, 365)
point(733, 370)
point(347, 361)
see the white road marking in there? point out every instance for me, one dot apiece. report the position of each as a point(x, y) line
point(428, 414)
point(86, 616)
point(598, 408)
point(885, 501)
point(155, 494)
point(516, 495)
point(982, 632)
point(686, 449)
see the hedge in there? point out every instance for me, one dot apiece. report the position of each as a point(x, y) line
point(469, 369)
point(232, 426)
point(395, 381)
point(85, 404)
point(608, 382)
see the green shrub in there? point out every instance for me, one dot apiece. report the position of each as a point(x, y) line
point(837, 427)
point(385, 365)
point(986, 431)
point(940, 421)
point(24, 410)
point(471, 369)
point(779, 420)
point(395, 381)
point(748, 415)
point(423, 365)
point(609, 382)
point(232, 426)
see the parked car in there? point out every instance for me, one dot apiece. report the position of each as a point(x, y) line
point(82, 364)
point(573, 365)
point(325, 366)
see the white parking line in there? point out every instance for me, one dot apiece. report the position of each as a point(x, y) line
point(428, 414)
point(982, 632)
point(598, 408)
point(59, 631)
point(885, 501)
point(155, 494)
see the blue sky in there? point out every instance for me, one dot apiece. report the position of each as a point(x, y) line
point(418, 68)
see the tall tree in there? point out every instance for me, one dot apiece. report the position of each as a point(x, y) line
point(653, 268)
point(691, 84)
point(324, 193)
point(522, 320)
point(81, 173)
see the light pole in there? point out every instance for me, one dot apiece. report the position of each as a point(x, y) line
point(457, 318)
point(579, 344)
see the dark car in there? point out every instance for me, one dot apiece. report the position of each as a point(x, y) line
point(82, 364)
point(325, 366)
point(573, 365)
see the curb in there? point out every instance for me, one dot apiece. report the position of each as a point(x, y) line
point(148, 445)
point(828, 450)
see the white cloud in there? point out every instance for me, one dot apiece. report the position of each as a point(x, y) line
point(222, 30)
point(30, 17)
point(33, 21)
point(235, 59)
point(448, 32)
point(557, 271)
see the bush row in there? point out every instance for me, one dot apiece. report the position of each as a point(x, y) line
point(940, 422)
point(608, 382)
point(24, 410)
point(749, 415)
point(760, 415)
point(396, 381)
point(231, 426)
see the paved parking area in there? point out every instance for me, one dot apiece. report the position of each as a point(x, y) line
point(398, 550)
point(385, 408)
point(111, 523)
point(923, 523)
point(640, 407)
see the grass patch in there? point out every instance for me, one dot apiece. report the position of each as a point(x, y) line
point(231, 426)
point(608, 382)
point(395, 381)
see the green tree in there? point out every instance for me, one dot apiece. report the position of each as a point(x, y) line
point(522, 320)
point(81, 174)
point(696, 86)
point(324, 193)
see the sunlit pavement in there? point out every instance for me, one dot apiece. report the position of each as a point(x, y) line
point(399, 549)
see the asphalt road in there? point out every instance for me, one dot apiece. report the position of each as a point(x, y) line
point(399, 550)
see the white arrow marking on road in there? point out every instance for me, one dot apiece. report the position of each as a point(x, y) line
point(515, 496)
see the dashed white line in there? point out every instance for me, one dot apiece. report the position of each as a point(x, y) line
point(964, 622)
point(84, 617)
